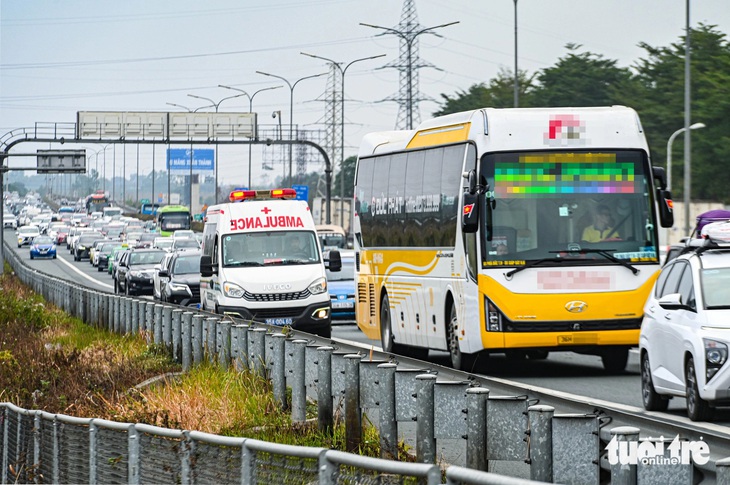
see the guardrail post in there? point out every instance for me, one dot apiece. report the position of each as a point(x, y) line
point(278, 369)
point(239, 346)
point(132, 455)
point(177, 334)
point(723, 471)
point(124, 314)
point(325, 413)
point(540, 442)
point(624, 474)
point(425, 440)
point(386, 410)
point(476, 428)
point(211, 334)
point(93, 435)
point(298, 386)
point(257, 351)
point(110, 312)
point(186, 340)
point(197, 339)
point(224, 342)
point(149, 321)
point(136, 316)
point(353, 415)
point(117, 313)
point(157, 324)
point(167, 327)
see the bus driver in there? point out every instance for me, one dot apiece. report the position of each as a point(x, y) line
point(602, 227)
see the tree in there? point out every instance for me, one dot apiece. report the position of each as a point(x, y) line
point(348, 171)
point(660, 102)
point(581, 79)
point(499, 93)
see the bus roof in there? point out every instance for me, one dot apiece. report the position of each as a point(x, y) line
point(173, 208)
point(519, 128)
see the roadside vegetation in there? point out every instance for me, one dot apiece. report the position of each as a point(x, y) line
point(56, 363)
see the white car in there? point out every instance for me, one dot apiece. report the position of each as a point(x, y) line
point(26, 234)
point(183, 234)
point(685, 333)
point(157, 282)
point(9, 220)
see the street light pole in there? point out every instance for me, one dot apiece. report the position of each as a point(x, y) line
point(669, 163)
point(409, 37)
point(343, 70)
point(687, 119)
point(250, 110)
point(291, 108)
point(517, 79)
point(216, 144)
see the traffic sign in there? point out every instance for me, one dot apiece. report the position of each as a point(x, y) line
point(302, 192)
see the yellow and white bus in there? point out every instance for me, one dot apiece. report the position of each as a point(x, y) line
point(516, 231)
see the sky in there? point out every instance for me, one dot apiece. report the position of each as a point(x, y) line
point(59, 57)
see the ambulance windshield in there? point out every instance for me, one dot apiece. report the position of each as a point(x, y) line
point(270, 248)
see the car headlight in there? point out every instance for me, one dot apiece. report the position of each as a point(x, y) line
point(232, 290)
point(81, 248)
point(136, 274)
point(318, 286)
point(177, 287)
point(715, 356)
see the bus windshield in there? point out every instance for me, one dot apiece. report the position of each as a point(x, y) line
point(579, 205)
point(174, 220)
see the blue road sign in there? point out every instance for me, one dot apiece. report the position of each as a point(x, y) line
point(302, 192)
point(179, 159)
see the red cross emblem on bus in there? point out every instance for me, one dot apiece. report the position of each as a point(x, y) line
point(266, 210)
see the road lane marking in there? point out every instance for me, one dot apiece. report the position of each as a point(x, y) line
point(105, 285)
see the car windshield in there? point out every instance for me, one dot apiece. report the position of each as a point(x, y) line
point(147, 257)
point(346, 274)
point(186, 243)
point(716, 288)
point(270, 248)
point(42, 240)
point(187, 265)
point(28, 230)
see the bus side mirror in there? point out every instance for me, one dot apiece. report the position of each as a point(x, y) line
point(666, 208)
point(660, 176)
point(333, 261)
point(207, 268)
point(470, 213)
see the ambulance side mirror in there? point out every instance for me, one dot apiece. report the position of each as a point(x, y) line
point(207, 268)
point(333, 261)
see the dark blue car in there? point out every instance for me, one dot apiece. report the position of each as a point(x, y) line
point(43, 247)
point(341, 286)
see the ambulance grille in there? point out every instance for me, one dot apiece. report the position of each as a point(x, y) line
point(264, 297)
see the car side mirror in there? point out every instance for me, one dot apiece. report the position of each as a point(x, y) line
point(673, 301)
point(164, 273)
point(333, 260)
point(207, 268)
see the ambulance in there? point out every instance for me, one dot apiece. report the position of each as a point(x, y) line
point(262, 262)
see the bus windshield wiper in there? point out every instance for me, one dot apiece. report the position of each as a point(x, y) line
point(532, 264)
point(603, 252)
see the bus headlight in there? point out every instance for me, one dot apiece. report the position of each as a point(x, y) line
point(232, 290)
point(318, 286)
point(715, 356)
point(493, 316)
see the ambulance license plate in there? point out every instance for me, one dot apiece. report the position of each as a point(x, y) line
point(279, 321)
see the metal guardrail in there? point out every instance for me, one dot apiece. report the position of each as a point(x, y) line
point(547, 447)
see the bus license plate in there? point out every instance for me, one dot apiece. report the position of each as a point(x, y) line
point(280, 322)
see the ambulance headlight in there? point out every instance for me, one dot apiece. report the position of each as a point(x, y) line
point(232, 290)
point(318, 286)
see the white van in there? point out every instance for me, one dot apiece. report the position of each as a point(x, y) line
point(262, 261)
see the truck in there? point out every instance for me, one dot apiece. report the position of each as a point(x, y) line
point(262, 261)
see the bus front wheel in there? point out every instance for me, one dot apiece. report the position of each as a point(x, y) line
point(459, 359)
point(386, 328)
